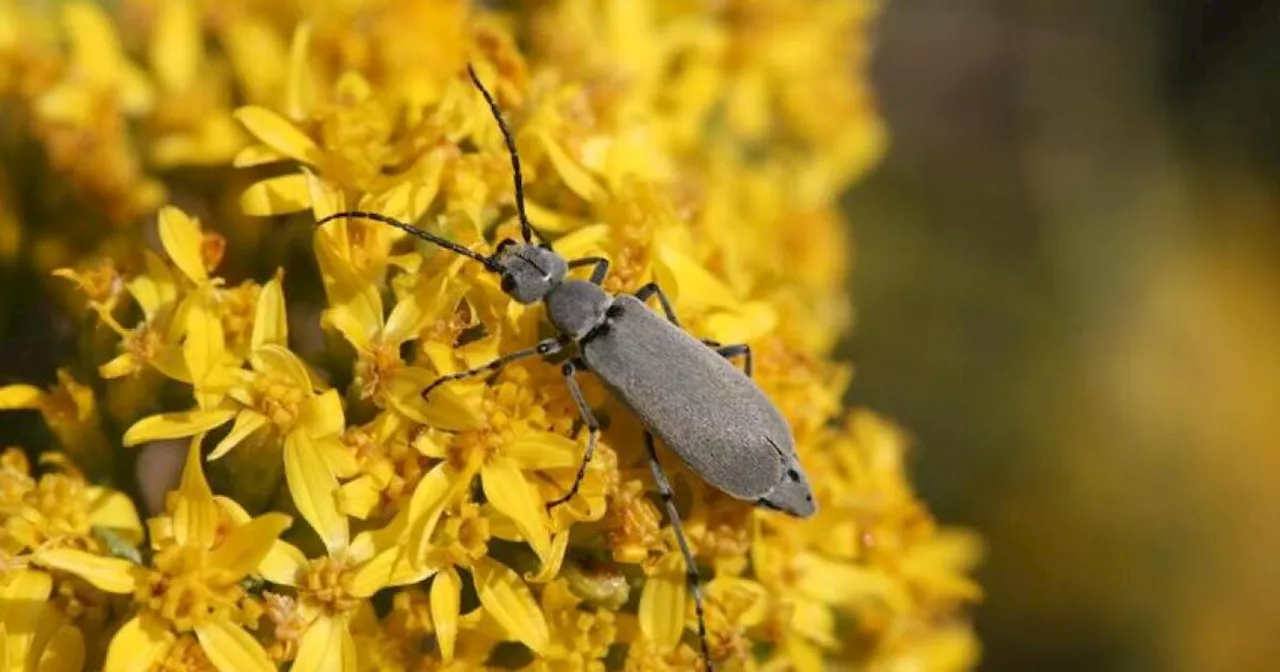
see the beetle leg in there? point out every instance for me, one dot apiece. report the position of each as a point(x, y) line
point(569, 369)
point(691, 567)
point(600, 270)
point(652, 288)
point(544, 348)
point(736, 350)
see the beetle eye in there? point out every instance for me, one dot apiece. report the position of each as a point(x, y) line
point(508, 284)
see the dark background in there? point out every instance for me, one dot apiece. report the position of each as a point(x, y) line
point(1066, 288)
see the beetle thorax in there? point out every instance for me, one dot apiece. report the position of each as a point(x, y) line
point(576, 307)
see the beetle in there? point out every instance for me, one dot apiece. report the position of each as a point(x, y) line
point(683, 390)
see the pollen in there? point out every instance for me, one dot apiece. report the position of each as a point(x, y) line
point(143, 342)
point(325, 585)
point(289, 623)
point(236, 311)
point(184, 590)
point(185, 656)
point(634, 525)
point(375, 369)
point(278, 398)
point(462, 537)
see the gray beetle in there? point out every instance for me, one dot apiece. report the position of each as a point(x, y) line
point(683, 390)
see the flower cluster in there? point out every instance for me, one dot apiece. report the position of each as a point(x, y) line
point(327, 516)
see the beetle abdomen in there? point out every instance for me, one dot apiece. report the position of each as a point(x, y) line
point(702, 407)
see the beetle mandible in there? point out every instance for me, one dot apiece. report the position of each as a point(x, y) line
point(683, 390)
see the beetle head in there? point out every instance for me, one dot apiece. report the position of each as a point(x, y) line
point(528, 272)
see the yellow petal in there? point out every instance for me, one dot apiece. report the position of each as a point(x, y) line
point(574, 175)
point(281, 361)
point(278, 133)
point(510, 493)
point(326, 646)
point(314, 490)
point(141, 643)
point(550, 568)
point(409, 199)
point(836, 582)
point(690, 283)
point(283, 564)
point(114, 511)
point(20, 396)
point(64, 652)
point(231, 649)
point(300, 88)
point(247, 545)
point(447, 408)
point(205, 347)
point(247, 422)
point(195, 513)
point(585, 242)
point(357, 498)
point(23, 595)
point(323, 417)
point(270, 322)
point(407, 319)
point(110, 574)
point(389, 567)
point(121, 365)
point(327, 199)
point(256, 155)
point(430, 497)
point(536, 450)
point(171, 362)
point(662, 603)
point(446, 593)
point(507, 599)
point(5, 655)
point(156, 289)
point(183, 241)
point(176, 45)
point(354, 325)
point(176, 425)
point(276, 196)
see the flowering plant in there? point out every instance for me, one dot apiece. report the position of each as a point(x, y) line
point(327, 516)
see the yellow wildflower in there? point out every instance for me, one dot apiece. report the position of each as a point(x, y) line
point(193, 584)
point(703, 148)
point(40, 520)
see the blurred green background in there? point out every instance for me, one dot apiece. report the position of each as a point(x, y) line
point(1066, 283)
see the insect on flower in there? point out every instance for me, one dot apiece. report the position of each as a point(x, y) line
point(683, 390)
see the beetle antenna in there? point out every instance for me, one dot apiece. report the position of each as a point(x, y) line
point(415, 232)
point(526, 229)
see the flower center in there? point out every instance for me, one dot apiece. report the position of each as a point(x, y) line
point(278, 399)
point(463, 537)
point(143, 342)
point(186, 591)
point(236, 309)
point(185, 656)
point(326, 584)
point(375, 369)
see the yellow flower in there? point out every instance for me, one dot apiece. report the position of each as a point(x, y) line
point(703, 148)
point(331, 591)
point(71, 412)
point(40, 522)
point(193, 584)
point(276, 396)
